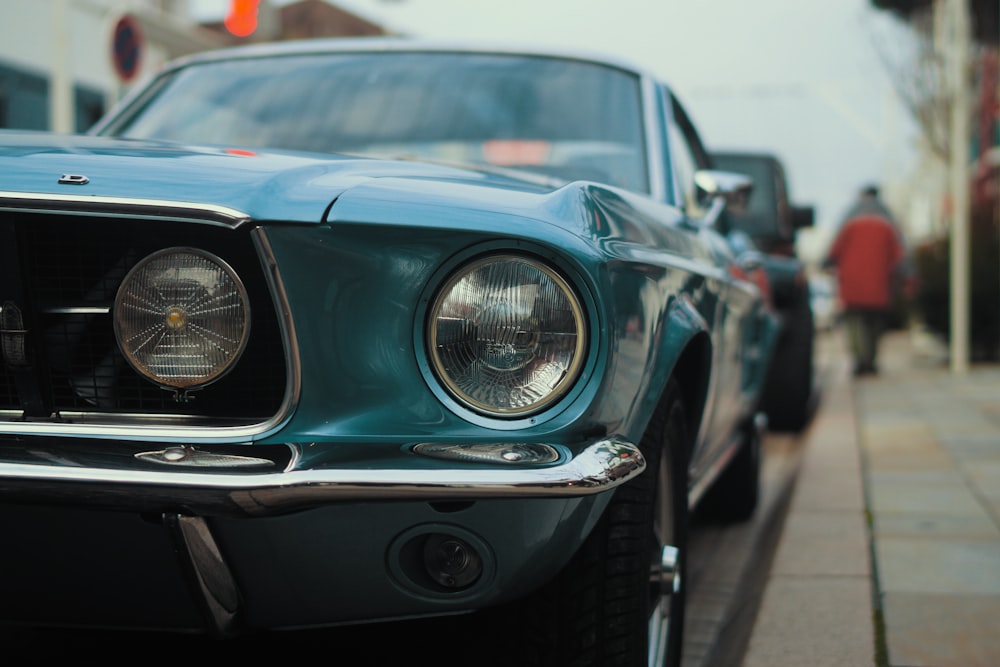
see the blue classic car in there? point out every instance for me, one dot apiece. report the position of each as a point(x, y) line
point(329, 332)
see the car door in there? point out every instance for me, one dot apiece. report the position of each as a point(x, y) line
point(728, 305)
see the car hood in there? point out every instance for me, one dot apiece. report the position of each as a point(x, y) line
point(267, 186)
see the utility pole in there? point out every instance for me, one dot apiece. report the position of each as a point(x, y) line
point(957, 45)
point(61, 107)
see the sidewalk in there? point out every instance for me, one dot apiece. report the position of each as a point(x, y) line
point(917, 450)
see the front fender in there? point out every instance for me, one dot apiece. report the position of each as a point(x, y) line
point(683, 352)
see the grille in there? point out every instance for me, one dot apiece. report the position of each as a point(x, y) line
point(68, 272)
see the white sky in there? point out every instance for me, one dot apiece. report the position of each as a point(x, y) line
point(800, 78)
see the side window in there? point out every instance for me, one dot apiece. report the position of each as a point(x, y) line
point(684, 169)
point(689, 155)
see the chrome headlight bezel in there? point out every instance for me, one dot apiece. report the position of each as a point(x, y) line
point(175, 316)
point(556, 282)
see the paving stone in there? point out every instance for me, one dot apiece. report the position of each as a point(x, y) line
point(823, 543)
point(988, 441)
point(913, 435)
point(924, 459)
point(986, 474)
point(930, 499)
point(834, 459)
point(818, 489)
point(938, 476)
point(979, 527)
point(814, 622)
point(992, 501)
point(962, 423)
point(942, 630)
point(930, 565)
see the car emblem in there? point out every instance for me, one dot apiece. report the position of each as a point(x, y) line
point(73, 179)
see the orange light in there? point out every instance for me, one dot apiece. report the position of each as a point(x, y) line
point(511, 152)
point(176, 318)
point(241, 20)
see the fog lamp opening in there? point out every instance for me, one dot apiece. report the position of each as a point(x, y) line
point(451, 562)
point(441, 561)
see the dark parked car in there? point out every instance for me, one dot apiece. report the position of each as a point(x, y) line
point(328, 332)
point(770, 219)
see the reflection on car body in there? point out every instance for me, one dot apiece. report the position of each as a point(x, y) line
point(367, 330)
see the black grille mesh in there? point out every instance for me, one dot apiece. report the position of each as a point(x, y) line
point(71, 267)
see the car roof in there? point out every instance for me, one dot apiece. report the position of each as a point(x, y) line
point(404, 44)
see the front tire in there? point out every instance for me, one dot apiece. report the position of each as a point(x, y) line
point(667, 587)
point(621, 599)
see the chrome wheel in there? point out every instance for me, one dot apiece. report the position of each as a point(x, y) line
point(669, 523)
point(620, 599)
point(664, 570)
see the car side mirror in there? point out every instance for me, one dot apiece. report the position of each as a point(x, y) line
point(722, 190)
point(802, 216)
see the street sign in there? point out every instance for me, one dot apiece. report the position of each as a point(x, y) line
point(126, 47)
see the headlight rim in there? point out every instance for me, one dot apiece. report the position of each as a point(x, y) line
point(568, 385)
point(244, 296)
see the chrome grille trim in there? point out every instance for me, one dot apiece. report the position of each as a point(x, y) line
point(124, 207)
point(167, 428)
point(79, 310)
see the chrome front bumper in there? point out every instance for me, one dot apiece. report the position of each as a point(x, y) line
point(51, 475)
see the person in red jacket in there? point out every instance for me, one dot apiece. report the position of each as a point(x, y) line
point(867, 254)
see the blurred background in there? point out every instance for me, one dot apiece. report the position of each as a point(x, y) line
point(899, 93)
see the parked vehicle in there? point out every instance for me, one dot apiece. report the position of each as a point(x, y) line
point(365, 330)
point(770, 219)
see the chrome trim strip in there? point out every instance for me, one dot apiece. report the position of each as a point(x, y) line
point(123, 207)
point(652, 130)
point(79, 310)
point(601, 466)
point(199, 433)
point(125, 419)
point(293, 364)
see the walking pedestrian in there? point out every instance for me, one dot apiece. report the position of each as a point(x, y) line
point(867, 255)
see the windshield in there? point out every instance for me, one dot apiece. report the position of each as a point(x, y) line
point(564, 118)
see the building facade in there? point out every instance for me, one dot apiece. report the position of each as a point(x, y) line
point(64, 63)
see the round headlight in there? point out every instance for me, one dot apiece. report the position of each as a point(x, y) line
point(507, 336)
point(182, 318)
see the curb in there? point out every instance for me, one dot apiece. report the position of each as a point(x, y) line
point(817, 607)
